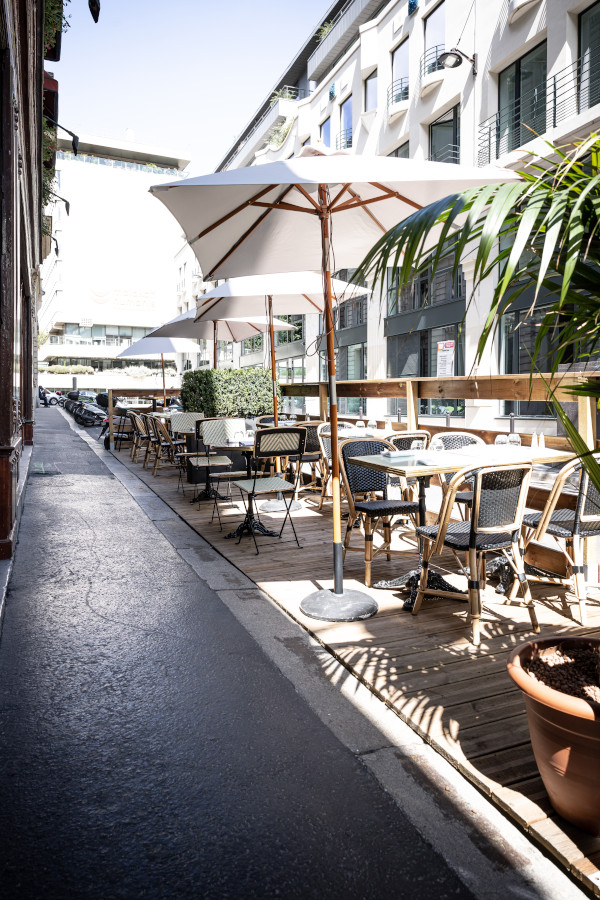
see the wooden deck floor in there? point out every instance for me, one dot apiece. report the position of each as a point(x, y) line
point(457, 697)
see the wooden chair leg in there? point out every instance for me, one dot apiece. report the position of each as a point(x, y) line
point(524, 584)
point(387, 534)
point(427, 551)
point(368, 550)
point(579, 583)
point(474, 596)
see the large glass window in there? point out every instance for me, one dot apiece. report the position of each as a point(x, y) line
point(253, 344)
point(444, 137)
point(399, 90)
point(589, 57)
point(295, 334)
point(371, 91)
point(401, 152)
point(522, 100)
point(325, 132)
point(424, 290)
point(345, 136)
point(519, 332)
point(435, 39)
point(424, 354)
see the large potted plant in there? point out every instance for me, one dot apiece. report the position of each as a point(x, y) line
point(550, 229)
point(564, 721)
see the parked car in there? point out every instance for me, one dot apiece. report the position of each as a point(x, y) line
point(52, 397)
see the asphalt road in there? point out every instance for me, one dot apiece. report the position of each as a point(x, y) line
point(148, 746)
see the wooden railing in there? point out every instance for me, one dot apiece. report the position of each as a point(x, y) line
point(468, 387)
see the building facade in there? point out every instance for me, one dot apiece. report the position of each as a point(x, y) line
point(21, 95)
point(371, 79)
point(107, 281)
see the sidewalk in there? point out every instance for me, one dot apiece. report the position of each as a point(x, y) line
point(166, 732)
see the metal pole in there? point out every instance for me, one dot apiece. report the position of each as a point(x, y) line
point(215, 344)
point(162, 359)
point(273, 375)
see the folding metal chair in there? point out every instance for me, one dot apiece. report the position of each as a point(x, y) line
point(271, 443)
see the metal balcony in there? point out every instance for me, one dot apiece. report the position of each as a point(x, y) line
point(343, 31)
point(430, 61)
point(397, 91)
point(344, 140)
point(450, 153)
point(570, 92)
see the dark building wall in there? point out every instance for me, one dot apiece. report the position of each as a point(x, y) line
point(21, 78)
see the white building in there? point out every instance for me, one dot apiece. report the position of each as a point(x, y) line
point(370, 80)
point(109, 280)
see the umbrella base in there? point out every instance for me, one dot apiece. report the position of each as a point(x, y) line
point(349, 606)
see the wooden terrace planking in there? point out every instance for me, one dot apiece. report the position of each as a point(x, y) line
point(457, 697)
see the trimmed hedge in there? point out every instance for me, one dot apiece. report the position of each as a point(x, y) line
point(229, 392)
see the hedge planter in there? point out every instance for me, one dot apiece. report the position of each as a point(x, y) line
point(565, 736)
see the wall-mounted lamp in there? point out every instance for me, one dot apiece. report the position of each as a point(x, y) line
point(66, 202)
point(451, 59)
point(94, 6)
point(74, 138)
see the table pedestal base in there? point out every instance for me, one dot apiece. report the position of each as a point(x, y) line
point(410, 581)
point(251, 525)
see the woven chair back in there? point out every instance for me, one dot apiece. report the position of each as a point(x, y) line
point(587, 511)
point(402, 440)
point(499, 496)
point(360, 480)
point(277, 442)
point(455, 440)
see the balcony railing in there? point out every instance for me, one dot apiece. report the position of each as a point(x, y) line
point(446, 286)
point(430, 61)
point(77, 340)
point(450, 153)
point(343, 29)
point(566, 94)
point(344, 140)
point(397, 91)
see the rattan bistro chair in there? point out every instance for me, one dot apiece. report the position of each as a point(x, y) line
point(361, 486)
point(456, 440)
point(568, 527)
point(403, 440)
point(271, 443)
point(140, 435)
point(312, 456)
point(499, 496)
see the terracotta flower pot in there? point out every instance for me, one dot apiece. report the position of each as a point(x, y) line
point(565, 736)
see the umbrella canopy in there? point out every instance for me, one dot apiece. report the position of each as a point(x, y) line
point(184, 326)
point(291, 293)
point(265, 219)
point(153, 346)
point(286, 215)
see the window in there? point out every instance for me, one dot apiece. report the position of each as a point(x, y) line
point(519, 333)
point(344, 140)
point(416, 354)
point(288, 337)
point(424, 290)
point(351, 365)
point(399, 88)
point(444, 137)
point(371, 91)
point(224, 351)
point(522, 100)
point(292, 371)
point(325, 133)
point(435, 40)
point(252, 345)
point(349, 312)
point(589, 57)
point(401, 152)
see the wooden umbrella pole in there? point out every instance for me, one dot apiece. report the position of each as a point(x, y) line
point(215, 344)
point(338, 549)
point(162, 359)
point(273, 375)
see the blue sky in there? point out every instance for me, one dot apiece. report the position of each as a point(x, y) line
point(183, 75)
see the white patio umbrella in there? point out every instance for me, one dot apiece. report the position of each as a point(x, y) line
point(320, 212)
point(151, 346)
point(285, 293)
point(231, 329)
